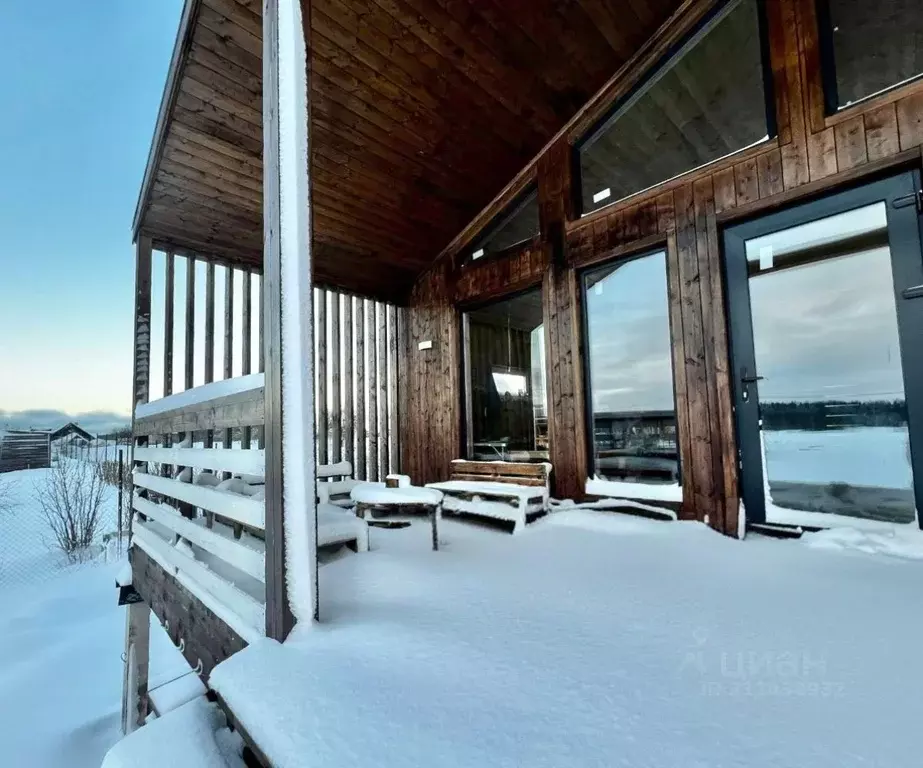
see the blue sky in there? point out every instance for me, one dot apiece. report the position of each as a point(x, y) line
point(79, 101)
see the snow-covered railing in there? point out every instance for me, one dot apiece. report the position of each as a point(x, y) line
point(199, 510)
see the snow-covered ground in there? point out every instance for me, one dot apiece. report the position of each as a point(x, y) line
point(590, 639)
point(595, 639)
point(873, 456)
point(61, 640)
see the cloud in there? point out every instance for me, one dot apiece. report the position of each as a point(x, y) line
point(95, 422)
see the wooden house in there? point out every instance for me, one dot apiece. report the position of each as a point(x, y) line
point(502, 218)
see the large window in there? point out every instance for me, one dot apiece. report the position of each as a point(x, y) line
point(507, 417)
point(632, 410)
point(518, 224)
point(869, 47)
point(707, 101)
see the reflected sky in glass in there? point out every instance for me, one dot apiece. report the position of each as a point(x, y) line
point(826, 330)
point(629, 336)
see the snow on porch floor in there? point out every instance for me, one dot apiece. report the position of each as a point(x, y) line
point(594, 639)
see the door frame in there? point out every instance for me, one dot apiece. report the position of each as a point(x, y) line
point(905, 234)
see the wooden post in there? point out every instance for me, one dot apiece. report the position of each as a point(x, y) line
point(169, 294)
point(209, 339)
point(371, 373)
point(189, 351)
point(320, 376)
point(137, 620)
point(383, 424)
point(228, 338)
point(359, 411)
point(394, 452)
point(246, 364)
point(336, 413)
point(289, 413)
point(349, 419)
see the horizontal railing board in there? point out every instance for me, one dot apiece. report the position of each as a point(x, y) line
point(203, 635)
point(242, 409)
point(240, 509)
point(231, 551)
point(204, 393)
point(238, 461)
point(238, 609)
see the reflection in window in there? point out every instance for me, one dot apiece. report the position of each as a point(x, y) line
point(631, 402)
point(507, 418)
point(707, 102)
point(515, 226)
point(873, 46)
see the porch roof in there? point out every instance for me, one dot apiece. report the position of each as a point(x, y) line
point(422, 110)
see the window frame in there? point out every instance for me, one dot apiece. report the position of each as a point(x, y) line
point(463, 310)
point(828, 70)
point(588, 410)
point(519, 203)
point(650, 77)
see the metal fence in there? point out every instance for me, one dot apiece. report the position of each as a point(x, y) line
point(31, 551)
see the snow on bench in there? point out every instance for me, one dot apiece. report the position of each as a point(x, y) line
point(335, 483)
point(336, 525)
point(503, 490)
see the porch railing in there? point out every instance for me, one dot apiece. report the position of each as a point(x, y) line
point(199, 510)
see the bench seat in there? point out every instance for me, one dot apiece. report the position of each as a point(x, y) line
point(500, 490)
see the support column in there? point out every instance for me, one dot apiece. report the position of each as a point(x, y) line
point(137, 621)
point(291, 509)
point(566, 422)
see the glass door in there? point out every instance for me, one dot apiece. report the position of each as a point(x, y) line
point(826, 317)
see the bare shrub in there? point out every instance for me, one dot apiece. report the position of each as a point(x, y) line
point(7, 496)
point(71, 502)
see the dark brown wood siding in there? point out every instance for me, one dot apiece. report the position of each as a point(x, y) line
point(812, 155)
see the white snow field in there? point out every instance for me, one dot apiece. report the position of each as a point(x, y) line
point(61, 641)
point(594, 639)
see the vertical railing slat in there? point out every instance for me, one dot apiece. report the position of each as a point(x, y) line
point(359, 412)
point(320, 373)
point(334, 358)
point(349, 421)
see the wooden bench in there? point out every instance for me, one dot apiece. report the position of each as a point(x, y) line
point(503, 490)
point(336, 524)
point(335, 482)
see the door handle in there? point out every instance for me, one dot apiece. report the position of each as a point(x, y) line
point(916, 292)
point(745, 378)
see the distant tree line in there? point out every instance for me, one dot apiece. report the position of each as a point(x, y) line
point(834, 414)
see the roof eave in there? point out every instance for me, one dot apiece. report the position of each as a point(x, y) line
point(167, 101)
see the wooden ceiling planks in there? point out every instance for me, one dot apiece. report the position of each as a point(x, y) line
point(422, 110)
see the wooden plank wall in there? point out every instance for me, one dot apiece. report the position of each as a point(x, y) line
point(813, 154)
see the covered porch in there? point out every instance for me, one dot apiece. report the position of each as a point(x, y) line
point(370, 238)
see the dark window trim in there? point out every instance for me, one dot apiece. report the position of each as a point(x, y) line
point(463, 309)
point(827, 58)
point(593, 134)
point(588, 413)
point(829, 83)
point(500, 220)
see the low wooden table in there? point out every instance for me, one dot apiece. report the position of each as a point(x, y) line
point(368, 497)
